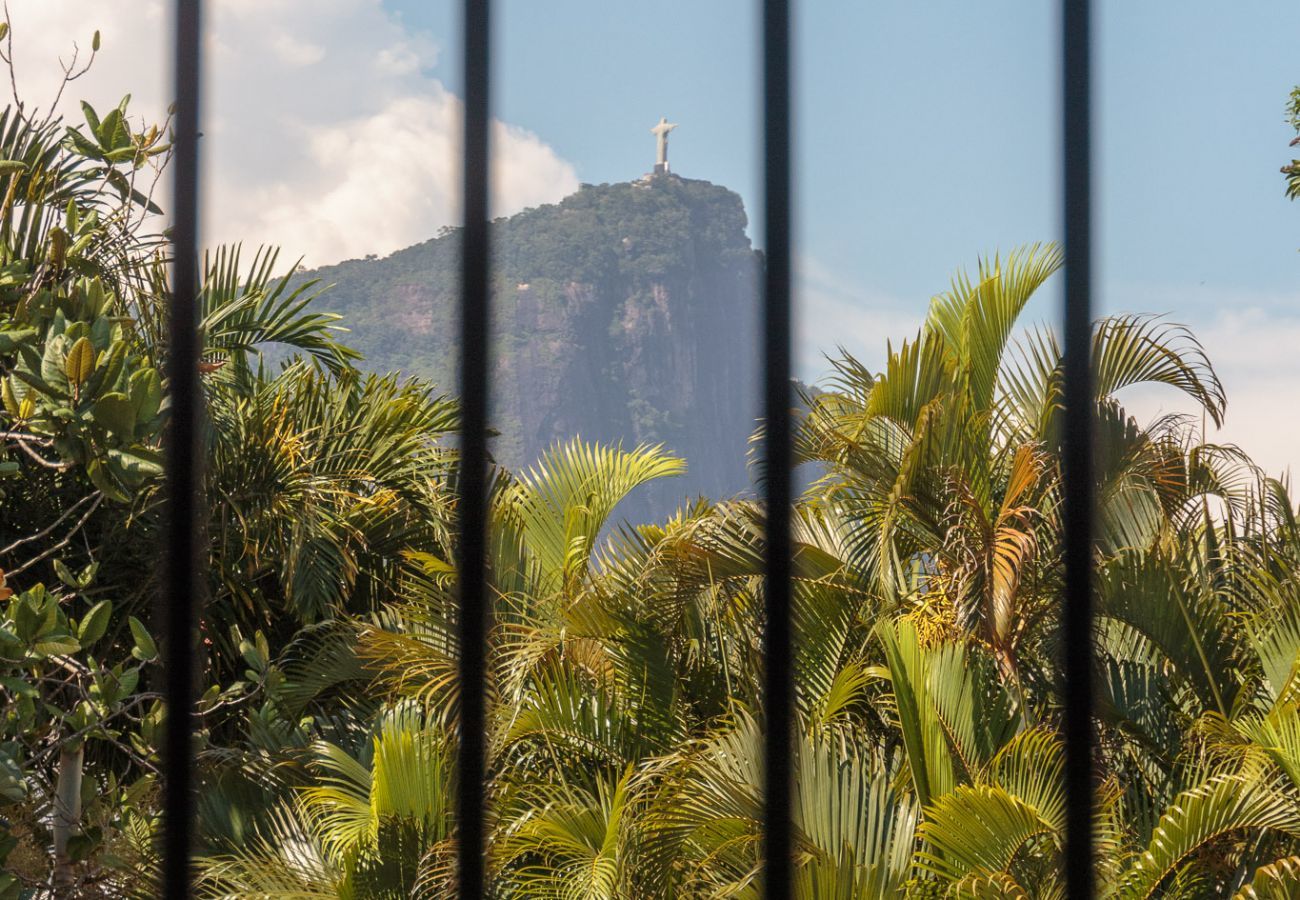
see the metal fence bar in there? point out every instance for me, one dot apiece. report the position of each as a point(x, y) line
point(472, 478)
point(778, 686)
point(1076, 457)
point(181, 594)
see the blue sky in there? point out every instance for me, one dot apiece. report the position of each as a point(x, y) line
point(926, 135)
point(927, 132)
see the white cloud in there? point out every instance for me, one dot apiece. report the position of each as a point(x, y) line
point(400, 59)
point(323, 131)
point(295, 52)
point(393, 178)
point(1253, 349)
point(832, 312)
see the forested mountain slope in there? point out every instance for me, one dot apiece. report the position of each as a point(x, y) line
point(627, 312)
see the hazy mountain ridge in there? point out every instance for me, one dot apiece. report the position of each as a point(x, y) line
point(626, 312)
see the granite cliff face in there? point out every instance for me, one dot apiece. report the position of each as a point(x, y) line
point(626, 312)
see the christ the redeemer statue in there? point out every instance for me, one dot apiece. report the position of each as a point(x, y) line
point(660, 131)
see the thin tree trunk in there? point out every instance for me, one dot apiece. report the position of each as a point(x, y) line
point(67, 816)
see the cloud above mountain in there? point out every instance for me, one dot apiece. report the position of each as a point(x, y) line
point(324, 131)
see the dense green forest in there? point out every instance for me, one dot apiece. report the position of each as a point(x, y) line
point(625, 730)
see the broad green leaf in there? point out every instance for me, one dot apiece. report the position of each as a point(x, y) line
point(135, 465)
point(80, 362)
point(116, 413)
point(65, 574)
point(102, 478)
point(108, 371)
point(112, 132)
point(57, 645)
point(79, 143)
point(12, 338)
point(27, 620)
point(146, 394)
point(53, 378)
point(7, 395)
point(145, 649)
point(92, 117)
point(18, 686)
point(95, 623)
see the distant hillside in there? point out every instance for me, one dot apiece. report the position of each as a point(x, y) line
point(626, 312)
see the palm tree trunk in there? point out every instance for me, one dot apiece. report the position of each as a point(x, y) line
point(67, 816)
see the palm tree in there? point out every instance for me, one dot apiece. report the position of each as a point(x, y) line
point(625, 660)
point(625, 692)
point(367, 827)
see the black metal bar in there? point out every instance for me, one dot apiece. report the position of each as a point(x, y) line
point(778, 686)
point(1077, 452)
point(473, 474)
point(181, 595)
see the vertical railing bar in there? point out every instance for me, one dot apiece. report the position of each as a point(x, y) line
point(181, 594)
point(1077, 452)
point(473, 474)
point(778, 690)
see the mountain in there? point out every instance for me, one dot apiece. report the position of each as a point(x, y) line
point(626, 312)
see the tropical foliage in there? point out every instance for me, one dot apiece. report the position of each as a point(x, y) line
point(1292, 169)
point(625, 728)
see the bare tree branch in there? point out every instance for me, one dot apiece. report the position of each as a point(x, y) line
point(46, 531)
point(67, 539)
